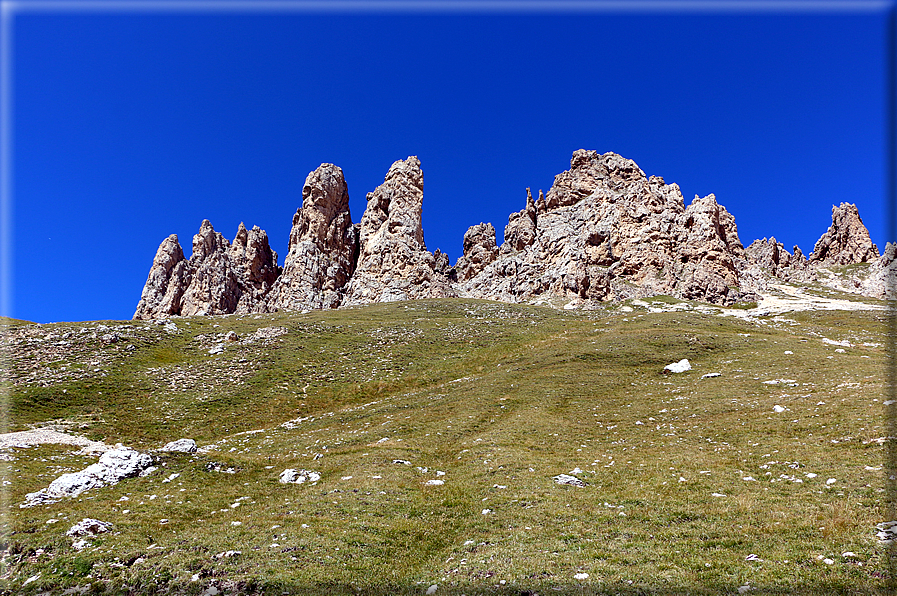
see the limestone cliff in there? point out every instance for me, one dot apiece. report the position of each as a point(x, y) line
point(603, 231)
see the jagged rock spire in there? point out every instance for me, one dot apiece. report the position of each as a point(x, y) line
point(323, 246)
point(847, 240)
point(393, 261)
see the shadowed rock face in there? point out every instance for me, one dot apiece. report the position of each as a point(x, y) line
point(323, 246)
point(603, 231)
point(393, 261)
point(847, 240)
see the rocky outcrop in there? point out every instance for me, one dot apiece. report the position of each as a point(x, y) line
point(114, 465)
point(479, 250)
point(767, 259)
point(847, 240)
point(881, 281)
point(605, 231)
point(393, 261)
point(166, 282)
point(323, 246)
point(708, 249)
point(219, 278)
point(521, 229)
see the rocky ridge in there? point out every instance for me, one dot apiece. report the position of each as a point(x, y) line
point(603, 231)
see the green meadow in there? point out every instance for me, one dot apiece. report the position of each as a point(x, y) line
point(766, 478)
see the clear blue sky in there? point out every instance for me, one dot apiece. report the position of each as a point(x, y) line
point(130, 126)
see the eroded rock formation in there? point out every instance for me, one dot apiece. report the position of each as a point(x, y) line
point(323, 246)
point(847, 240)
point(219, 278)
point(393, 261)
point(603, 231)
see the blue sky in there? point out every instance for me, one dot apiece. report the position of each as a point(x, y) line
point(132, 125)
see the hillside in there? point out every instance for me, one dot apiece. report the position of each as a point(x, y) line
point(767, 478)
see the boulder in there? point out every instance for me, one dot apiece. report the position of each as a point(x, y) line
point(180, 446)
point(88, 527)
point(114, 465)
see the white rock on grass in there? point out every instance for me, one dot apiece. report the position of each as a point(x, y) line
point(778, 409)
point(80, 544)
point(568, 480)
point(181, 446)
point(432, 590)
point(88, 527)
point(711, 375)
point(290, 476)
point(581, 576)
point(435, 482)
point(114, 465)
point(678, 367)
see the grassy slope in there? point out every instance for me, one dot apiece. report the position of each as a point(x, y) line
point(499, 397)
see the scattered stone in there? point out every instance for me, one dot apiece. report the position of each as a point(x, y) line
point(88, 527)
point(568, 480)
point(228, 554)
point(80, 544)
point(435, 482)
point(290, 476)
point(181, 446)
point(581, 576)
point(678, 367)
point(711, 375)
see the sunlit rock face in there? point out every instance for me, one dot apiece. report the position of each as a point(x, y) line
point(605, 231)
point(393, 261)
point(847, 240)
point(323, 246)
point(219, 278)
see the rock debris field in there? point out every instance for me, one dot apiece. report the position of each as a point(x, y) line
point(453, 446)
